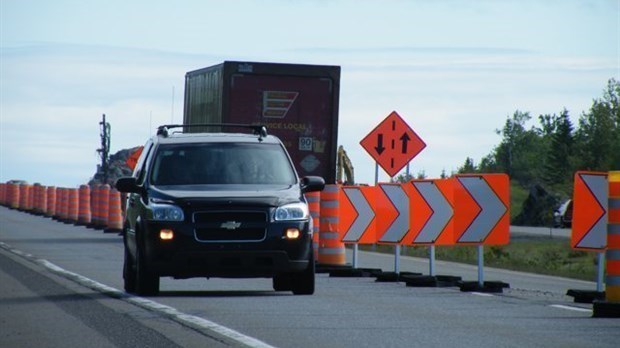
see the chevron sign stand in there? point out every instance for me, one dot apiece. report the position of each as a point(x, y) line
point(482, 218)
point(432, 223)
point(589, 226)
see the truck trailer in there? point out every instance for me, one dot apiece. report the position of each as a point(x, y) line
point(298, 103)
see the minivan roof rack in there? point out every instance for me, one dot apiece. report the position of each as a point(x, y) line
point(259, 130)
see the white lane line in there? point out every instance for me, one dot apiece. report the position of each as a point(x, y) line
point(170, 312)
point(576, 309)
point(481, 294)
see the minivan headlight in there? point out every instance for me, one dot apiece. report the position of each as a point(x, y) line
point(294, 211)
point(167, 212)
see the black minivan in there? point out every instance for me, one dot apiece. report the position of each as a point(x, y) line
point(217, 205)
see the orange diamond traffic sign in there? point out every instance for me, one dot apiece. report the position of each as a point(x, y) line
point(393, 144)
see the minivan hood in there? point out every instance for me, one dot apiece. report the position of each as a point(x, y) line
point(255, 195)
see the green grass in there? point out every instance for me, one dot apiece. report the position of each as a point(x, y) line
point(541, 255)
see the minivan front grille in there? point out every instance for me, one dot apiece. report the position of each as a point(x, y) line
point(230, 226)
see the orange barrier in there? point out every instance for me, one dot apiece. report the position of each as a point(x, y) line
point(40, 199)
point(331, 248)
point(58, 203)
point(94, 205)
point(482, 209)
point(358, 219)
point(72, 205)
point(36, 201)
point(30, 203)
point(51, 201)
point(612, 292)
point(3, 200)
point(13, 195)
point(103, 206)
point(314, 205)
point(23, 197)
point(115, 214)
point(589, 230)
point(63, 207)
point(84, 214)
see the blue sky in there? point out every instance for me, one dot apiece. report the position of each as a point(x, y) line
point(453, 69)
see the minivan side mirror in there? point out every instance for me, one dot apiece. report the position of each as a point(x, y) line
point(128, 184)
point(312, 183)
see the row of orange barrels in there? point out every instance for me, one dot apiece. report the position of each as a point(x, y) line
point(98, 206)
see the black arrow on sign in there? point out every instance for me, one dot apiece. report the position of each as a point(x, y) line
point(405, 138)
point(379, 146)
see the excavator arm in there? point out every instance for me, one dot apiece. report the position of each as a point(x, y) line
point(344, 166)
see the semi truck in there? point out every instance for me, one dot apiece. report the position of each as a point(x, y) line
point(296, 102)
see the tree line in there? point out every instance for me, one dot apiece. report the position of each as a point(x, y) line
point(543, 158)
point(550, 152)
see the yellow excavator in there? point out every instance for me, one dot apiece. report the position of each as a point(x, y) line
point(344, 166)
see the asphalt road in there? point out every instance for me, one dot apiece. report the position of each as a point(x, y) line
point(541, 231)
point(59, 286)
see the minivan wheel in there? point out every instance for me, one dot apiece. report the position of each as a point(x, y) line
point(147, 282)
point(129, 273)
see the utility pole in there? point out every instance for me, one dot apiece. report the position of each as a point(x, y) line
point(104, 151)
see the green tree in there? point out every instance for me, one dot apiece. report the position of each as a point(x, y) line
point(402, 178)
point(598, 136)
point(552, 151)
point(558, 167)
point(467, 167)
point(519, 152)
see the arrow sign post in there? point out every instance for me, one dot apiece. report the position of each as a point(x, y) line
point(482, 215)
point(392, 203)
point(392, 144)
point(357, 217)
point(431, 216)
point(589, 225)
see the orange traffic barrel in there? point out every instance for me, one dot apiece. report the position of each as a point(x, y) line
point(610, 307)
point(23, 196)
point(331, 249)
point(30, 203)
point(3, 200)
point(58, 214)
point(51, 201)
point(612, 282)
point(94, 205)
point(40, 199)
point(84, 213)
point(103, 205)
point(73, 205)
point(58, 204)
point(35, 197)
point(115, 214)
point(314, 205)
point(13, 195)
point(63, 209)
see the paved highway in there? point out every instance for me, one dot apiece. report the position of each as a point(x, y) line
point(60, 284)
point(541, 231)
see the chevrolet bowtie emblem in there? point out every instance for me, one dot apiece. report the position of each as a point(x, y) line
point(230, 225)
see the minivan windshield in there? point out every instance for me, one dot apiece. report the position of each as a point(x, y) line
point(222, 163)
